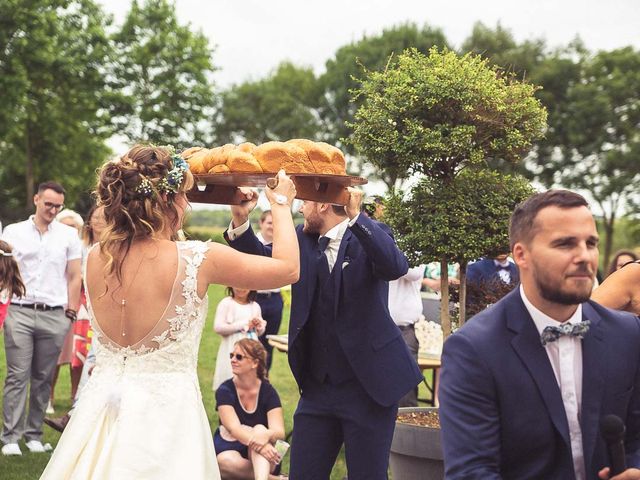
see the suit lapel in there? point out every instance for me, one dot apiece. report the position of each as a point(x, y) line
point(593, 357)
point(527, 346)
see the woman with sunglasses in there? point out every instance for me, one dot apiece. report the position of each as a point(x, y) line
point(140, 415)
point(251, 418)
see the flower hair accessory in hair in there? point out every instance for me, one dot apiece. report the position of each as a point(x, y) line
point(170, 183)
point(5, 254)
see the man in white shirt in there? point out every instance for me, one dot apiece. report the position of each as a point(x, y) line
point(525, 383)
point(405, 307)
point(48, 255)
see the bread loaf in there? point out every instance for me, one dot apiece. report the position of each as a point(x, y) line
point(298, 155)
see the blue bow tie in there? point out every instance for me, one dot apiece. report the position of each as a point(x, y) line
point(551, 334)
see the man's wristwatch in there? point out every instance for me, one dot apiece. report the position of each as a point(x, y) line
point(280, 199)
point(71, 314)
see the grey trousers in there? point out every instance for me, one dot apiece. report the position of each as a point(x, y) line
point(32, 342)
point(411, 397)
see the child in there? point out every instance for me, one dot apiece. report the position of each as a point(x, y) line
point(238, 316)
point(10, 280)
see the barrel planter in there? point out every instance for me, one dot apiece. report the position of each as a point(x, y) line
point(416, 451)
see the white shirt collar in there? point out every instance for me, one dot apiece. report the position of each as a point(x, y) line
point(337, 231)
point(543, 320)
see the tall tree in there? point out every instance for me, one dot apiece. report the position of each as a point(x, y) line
point(53, 120)
point(164, 75)
point(281, 106)
point(593, 141)
point(344, 73)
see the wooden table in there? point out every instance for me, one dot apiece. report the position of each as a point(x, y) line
point(279, 342)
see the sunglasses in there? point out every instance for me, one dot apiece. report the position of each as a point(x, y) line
point(238, 356)
point(57, 206)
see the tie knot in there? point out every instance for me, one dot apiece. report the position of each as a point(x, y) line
point(551, 334)
point(322, 243)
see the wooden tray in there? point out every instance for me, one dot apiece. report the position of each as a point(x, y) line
point(222, 188)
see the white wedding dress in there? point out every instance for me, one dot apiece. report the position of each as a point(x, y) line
point(140, 415)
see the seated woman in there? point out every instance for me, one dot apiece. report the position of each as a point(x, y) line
point(621, 289)
point(251, 417)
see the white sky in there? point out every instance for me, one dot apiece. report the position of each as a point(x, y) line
point(253, 36)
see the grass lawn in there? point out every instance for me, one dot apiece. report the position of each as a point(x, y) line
point(30, 465)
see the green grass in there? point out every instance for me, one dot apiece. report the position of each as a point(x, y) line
point(31, 465)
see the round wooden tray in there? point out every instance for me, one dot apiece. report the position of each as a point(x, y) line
point(222, 188)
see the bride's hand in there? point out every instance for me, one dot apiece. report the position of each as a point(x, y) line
point(285, 187)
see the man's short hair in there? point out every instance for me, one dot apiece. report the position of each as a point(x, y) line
point(339, 210)
point(522, 227)
point(51, 185)
point(264, 215)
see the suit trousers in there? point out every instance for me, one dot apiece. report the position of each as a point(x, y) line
point(330, 415)
point(410, 399)
point(32, 342)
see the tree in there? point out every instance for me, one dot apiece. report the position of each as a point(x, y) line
point(351, 63)
point(53, 120)
point(438, 116)
point(163, 75)
point(280, 107)
point(593, 142)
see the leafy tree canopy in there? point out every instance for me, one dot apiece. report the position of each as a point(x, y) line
point(282, 106)
point(436, 114)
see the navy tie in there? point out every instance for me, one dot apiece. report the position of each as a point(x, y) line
point(551, 334)
point(323, 261)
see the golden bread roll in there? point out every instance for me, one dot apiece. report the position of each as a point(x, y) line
point(273, 156)
point(247, 147)
point(222, 168)
point(196, 160)
point(337, 163)
point(243, 162)
point(190, 151)
point(217, 156)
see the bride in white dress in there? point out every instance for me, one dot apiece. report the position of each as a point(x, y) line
point(141, 416)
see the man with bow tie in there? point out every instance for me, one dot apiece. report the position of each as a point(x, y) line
point(525, 383)
point(497, 275)
point(346, 353)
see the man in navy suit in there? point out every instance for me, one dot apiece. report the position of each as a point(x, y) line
point(489, 278)
point(346, 354)
point(522, 398)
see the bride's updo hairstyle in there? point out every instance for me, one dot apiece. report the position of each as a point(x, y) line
point(137, 193)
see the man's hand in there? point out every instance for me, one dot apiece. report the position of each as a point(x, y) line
point(628, 474)
point(240, 213)
point(355, 201)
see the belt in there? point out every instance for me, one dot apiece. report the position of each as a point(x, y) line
point(267, 294)
point(406, 327)
point(38, 306)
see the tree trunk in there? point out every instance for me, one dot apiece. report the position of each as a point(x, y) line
point(463, 294)
point(445, 319)
point(28, 168)
point(608, 237)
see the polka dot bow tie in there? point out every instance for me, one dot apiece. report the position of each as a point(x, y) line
point(551, 334)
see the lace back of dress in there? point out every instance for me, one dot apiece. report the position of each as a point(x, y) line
point(182, 311)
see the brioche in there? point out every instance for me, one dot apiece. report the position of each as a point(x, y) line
point(273, 156)
point(298, 155)
point(243, 162)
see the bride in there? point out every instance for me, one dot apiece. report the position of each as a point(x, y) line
point(141, 416)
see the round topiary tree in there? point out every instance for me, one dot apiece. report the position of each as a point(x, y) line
point(442, 117)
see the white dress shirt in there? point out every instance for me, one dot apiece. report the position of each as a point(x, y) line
point(42, 259)
point(565, 355)
point(405, 302)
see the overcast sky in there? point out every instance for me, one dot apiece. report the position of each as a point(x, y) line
point(251, 37)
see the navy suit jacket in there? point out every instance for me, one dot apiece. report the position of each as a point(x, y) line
point(501, 410)
point(367, 260)
point(485, 270)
